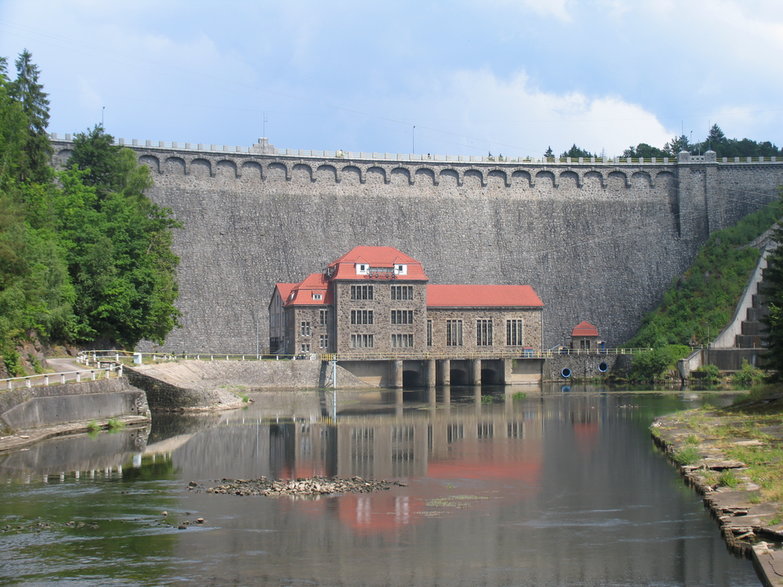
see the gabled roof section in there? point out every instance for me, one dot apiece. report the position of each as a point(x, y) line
point(313, 291)
point(482, 296)
point(283, 290)
point(380, 264)
point(584, 329)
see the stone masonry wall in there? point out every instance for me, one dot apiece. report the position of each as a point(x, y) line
point(597, 242)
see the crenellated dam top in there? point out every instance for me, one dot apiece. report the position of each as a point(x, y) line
point(263, 147)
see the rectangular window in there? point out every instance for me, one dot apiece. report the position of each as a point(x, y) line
point(402, 316)
point(402, 340)
point(362, 341)
point(323, 317)
point(361, 292)
point(402, 292)
point(453, 332)
point(429, 332)
point(304, 328)
point(483, 332)
point(361, 316)
point(304, 347)
point(514, 332)
point(323, 341)
point(317, 296)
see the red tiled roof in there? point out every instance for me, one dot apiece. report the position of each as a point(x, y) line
point(466, 296)
point(376, 257)
point(302, 293)
point(284, 290)
point(584, 329)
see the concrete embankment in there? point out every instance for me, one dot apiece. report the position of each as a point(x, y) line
point(749, 526)
point(208, 385)
point(28, 415)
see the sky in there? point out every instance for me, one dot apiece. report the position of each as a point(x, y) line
point(463, 77)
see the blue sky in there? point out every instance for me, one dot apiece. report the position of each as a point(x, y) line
point(500, 76)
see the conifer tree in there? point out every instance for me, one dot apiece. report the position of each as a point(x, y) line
point(28, 91)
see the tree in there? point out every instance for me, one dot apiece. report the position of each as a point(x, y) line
point(119, 244)
point(12, 131)
point(28, 92)
point(575, 152)
point(676, 145)
point(772, 288)
point(644, 151)
point(548, 154)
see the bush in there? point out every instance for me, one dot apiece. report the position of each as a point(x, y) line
point(652, 365)
point(709, 374)
point(747, 376)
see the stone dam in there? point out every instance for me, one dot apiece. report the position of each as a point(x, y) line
point(599, 241)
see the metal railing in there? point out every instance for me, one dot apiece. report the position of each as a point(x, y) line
point(61, 377)
point(117, 356)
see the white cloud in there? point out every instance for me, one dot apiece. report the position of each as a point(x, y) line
point(515, 117)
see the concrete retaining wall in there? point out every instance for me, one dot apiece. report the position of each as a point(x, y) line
point(580, 366)
point(189, 385)
point(42, 407)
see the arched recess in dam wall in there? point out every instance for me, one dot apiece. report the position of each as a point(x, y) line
point(597, 242)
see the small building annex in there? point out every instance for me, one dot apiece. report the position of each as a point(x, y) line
point(377, 302)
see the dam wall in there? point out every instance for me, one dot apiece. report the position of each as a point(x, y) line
point(599, 241)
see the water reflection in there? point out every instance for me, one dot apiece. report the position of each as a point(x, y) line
point(549, 488)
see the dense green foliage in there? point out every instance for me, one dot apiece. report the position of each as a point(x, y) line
point(651, 365)
point(773, 290)
point(716, 141)
point(575, 152)
point(701, 302)
point(85, 256)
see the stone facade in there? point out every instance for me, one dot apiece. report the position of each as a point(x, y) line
point(598, 241)
point(369, 310)
point(496, 345)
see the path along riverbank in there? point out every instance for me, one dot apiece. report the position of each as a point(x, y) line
point(734, 458)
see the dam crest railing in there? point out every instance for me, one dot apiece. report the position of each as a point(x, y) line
point(265, 149)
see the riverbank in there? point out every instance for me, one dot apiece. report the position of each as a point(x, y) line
point(734, 458)
point(31, 414)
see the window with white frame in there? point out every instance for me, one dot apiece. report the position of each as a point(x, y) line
point(401, 292)
point(453, 332)
point(361, 292)
point(361, 316)
point(362, 341)
point(402, 340)
point(483, 332)
point(323, 341)
point(305, 328)
point(402, 316)
point(323, 317)
point(304, 347)
point(429, 332)
point(515, 332)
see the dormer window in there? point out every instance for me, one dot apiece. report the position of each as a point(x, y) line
point(317, 296)
point(362, 269)
point(400, 269)
point(292, 296)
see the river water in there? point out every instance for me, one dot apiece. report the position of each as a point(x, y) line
point(559, 487)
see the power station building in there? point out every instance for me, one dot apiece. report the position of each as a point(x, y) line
point(377, 302)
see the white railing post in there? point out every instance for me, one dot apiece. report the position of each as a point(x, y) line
point(46, 380)
point(78, 377)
